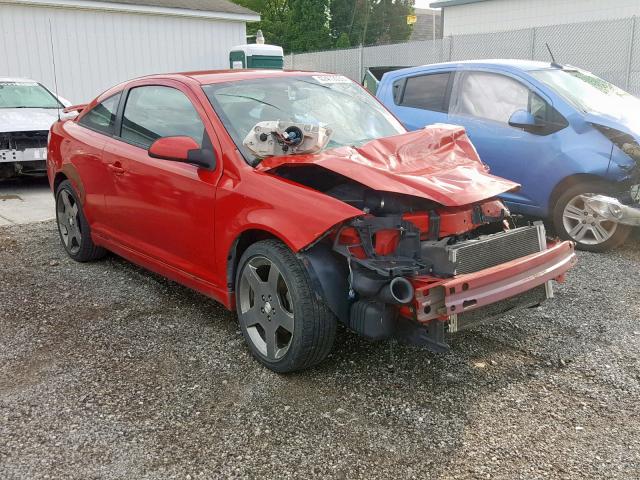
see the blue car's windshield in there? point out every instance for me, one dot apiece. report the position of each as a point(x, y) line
point(26, 95)
point(587, 92)
point(354, 116)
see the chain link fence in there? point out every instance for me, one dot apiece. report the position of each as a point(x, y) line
point(610, 49)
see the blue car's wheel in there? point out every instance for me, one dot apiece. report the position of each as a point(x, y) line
point(573, 221)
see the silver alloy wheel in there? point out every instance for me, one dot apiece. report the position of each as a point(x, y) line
point(68, 221)
point(265, 307)
point(584, 225)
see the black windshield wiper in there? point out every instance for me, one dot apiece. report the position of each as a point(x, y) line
point(251, 98)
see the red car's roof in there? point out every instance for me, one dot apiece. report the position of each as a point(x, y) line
point(217, 76)
point(207, 77)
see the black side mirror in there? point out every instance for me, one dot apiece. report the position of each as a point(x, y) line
point(203, 157)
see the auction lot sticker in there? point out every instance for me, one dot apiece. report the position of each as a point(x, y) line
point(331, 79)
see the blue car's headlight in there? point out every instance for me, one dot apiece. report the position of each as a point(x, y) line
point(622, 140)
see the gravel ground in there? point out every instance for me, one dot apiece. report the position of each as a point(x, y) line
point(108, 371)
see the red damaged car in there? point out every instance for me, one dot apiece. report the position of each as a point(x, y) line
point(296, 199)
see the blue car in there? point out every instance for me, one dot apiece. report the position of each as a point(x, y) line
point(568, 137)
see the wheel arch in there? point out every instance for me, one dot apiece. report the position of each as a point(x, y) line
point(243, 241)
point(328, 274)
point(57, 180)
point(569, 182)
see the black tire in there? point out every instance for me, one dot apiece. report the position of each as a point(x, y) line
point(81, 247)
point(313, 324)
point(618, 236)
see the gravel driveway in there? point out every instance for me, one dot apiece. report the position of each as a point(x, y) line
point(108, 371)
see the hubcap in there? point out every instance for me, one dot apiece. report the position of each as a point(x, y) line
point(68, 224)
point(266, 308)
point(584, 225)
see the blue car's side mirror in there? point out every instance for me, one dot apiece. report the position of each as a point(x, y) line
point(523, 119)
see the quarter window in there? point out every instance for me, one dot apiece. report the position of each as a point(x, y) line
point(102, 117)
point(427, 92)
point(155, 111)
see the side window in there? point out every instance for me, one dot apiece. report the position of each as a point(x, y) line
point(155, 111)
point(428, 92)
point(490, 96)
point(102, 117)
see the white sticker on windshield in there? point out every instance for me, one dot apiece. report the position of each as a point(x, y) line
point(19, 84)
point(331, 79)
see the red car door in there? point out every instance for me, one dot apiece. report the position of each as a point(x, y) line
point(161, 209)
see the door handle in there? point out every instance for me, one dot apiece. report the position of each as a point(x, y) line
point(116, 168)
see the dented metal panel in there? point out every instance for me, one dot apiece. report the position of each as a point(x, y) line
point(438, 163)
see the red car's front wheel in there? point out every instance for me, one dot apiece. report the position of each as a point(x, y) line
point(285, 325)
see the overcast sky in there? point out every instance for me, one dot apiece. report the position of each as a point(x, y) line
point(423, 3)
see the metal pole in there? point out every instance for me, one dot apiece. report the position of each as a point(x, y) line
point(533, 43)
point(433, 26)
point(630, 56)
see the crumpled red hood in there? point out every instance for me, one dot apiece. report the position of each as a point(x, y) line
point(438, 162)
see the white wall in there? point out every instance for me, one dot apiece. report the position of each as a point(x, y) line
point(95, 50)
point(500, 15)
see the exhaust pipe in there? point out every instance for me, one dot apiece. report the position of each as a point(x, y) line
point(398, 291)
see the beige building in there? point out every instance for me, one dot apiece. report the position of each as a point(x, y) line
point(482, 16)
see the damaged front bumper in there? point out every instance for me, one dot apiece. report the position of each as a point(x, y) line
point(26, 155)
point(23, 153)
point(613, 209)
point(450, 299)
point(424, 287)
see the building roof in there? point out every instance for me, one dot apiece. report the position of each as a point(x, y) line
point(222, 9)
point(221, 6)
point(452, 3)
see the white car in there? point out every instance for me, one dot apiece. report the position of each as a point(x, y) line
point(27, 110)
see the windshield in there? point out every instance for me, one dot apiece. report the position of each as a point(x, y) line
point(587, 92)
point(26, 95)
point(328, 100)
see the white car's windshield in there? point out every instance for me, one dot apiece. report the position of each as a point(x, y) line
point(26, 95)
point(354, 116)
point(587, 92)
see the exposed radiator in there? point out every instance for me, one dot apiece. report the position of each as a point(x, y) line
point(491, 250)
point(21, 141)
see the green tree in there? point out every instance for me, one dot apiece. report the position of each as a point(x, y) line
point(275, 16)
point(343, 41)
point(309, 25)
point(348, 17)
point(295, 25)
point(370, 21)
point(388, 23)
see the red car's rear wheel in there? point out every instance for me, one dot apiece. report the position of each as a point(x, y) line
point(73, 227)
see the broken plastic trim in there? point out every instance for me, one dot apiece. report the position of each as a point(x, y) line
point(612, 209)
point(411, 257)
